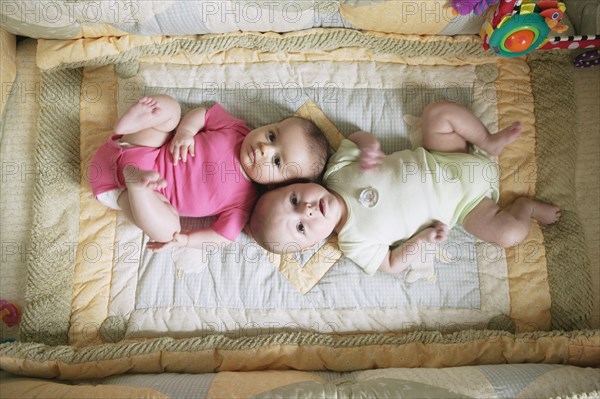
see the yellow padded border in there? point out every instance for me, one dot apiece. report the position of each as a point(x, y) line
point(8, 72)
point(53, 53)
point(49, 389)
point(97, 223)
point(576, 350)
point(527, 266)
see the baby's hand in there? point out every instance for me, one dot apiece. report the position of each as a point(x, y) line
point(182, 143)
point(437, 232)
point(371, 156)
point(179, 240)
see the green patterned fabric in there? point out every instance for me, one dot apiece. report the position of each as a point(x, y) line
point(221, 342)
point(54, 234)
point(317, 40)
point(555, 107)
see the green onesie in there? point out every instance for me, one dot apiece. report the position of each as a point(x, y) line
point(406, 193)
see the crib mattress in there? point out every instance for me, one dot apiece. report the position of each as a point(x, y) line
point(92, 282)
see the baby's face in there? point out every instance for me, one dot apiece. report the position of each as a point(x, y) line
point(277, 153)
point(300, 215)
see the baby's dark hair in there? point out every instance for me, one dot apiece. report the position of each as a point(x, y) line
point(317, 145)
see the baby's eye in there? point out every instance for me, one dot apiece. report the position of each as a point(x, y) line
point(301, 228)
point(277, 161)
point(294, 199)
point(271, 137)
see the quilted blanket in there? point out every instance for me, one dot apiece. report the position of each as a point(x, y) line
point(91, 282)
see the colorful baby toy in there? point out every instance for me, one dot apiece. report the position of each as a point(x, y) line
point(477, 7)
point(517, 27)
point(9, 313)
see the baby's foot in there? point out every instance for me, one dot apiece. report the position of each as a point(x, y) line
point(545, 213)
point(137, 179)
point(144, 114)
point(495, 143)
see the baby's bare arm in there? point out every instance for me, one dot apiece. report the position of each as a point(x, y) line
point(409, 252)
point(363, 139)
point(192, 122)
point(183, 142)
point(199, 239)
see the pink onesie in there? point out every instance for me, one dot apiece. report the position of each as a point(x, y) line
point(211, 183)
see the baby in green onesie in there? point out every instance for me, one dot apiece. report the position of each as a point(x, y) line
point(374, 201)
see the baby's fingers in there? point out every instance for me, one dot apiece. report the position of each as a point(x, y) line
point(174, 150)
point(441, 230)
point(179, 153)
point(429, 234)
point(441, 236)
point(377, 157)
point(370, 161)
point(365, 162)
point(182, 151)
point(185, 150)
point(156, 246)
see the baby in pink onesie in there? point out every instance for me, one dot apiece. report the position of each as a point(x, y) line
point(210, 166)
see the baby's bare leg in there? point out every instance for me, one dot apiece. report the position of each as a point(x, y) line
point(449, 127)
point(149, 210)
point(150, 121)
point(510, 226)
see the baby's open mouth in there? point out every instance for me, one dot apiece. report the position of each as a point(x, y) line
point(322, 207)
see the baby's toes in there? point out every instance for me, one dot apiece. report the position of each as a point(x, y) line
point(557, 215)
